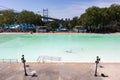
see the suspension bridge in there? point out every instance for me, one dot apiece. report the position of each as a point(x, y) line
point(45, 17)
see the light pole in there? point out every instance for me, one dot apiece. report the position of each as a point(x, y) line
point(23, 61)
point(97, 61)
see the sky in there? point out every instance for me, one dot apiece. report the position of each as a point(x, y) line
point(56, 8)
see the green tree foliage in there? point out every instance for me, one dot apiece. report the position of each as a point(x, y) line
point(29, 18)
point(66, 24)
point(7, 17)
point(114, 15)
point(92, 16)
point(38, 20)
point(101, 19)
point(1, 19)
point(54, 25)
point(74, 22)
point(10, 17)
point(104, 20)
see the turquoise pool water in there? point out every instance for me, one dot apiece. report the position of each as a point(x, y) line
point(70, 47)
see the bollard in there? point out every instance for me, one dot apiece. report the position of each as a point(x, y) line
point(23, 61)
point(97, 62)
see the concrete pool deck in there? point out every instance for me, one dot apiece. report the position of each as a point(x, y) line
point(59, 71)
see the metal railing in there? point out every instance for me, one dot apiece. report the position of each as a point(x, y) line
point(48, 59)
point(9, 60)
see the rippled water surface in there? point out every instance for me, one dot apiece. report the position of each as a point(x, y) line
point(70, 47)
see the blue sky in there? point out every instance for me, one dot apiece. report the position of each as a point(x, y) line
point(57, 8)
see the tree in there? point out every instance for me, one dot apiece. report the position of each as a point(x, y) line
point(1, 19)
point(29, 18)
point(38, 20)
point(101, 19)
point(114, 15)
point(66, 24)
point(74, 22)
point(54, 25)
point(7, 17)
point(104, 20)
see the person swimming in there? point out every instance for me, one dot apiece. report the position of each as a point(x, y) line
point(68, 51)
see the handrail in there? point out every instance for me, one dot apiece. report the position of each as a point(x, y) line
point(9, 60)
point(48, 58)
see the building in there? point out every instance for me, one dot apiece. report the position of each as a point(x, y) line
point(80, 29)
point(41, 29)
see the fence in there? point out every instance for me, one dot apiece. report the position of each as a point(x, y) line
point(9, 60)
point(48, 59)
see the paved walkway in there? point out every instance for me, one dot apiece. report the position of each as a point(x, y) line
point(59, 71)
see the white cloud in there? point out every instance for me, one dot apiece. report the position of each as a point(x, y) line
point(77, 8)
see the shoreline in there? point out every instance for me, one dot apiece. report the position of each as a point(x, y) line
point(63, 62)
point(54, 33)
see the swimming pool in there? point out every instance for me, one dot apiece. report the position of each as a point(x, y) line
point(70, 47)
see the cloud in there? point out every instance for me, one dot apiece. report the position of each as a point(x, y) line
point(69, 12)
point(78, 8)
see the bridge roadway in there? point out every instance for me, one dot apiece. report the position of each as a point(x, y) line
point(51, 18)
point(55, 19)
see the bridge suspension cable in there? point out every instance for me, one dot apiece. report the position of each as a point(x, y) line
point(6, 8)
point(45, 15)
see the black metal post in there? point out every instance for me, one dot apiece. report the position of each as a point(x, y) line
point(23, 61)
point(96, 69)
point(97, 61)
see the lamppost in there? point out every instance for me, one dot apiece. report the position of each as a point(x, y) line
point(97, 61)
point(23, 61)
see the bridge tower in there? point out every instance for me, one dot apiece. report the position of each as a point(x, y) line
point(45, 14)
